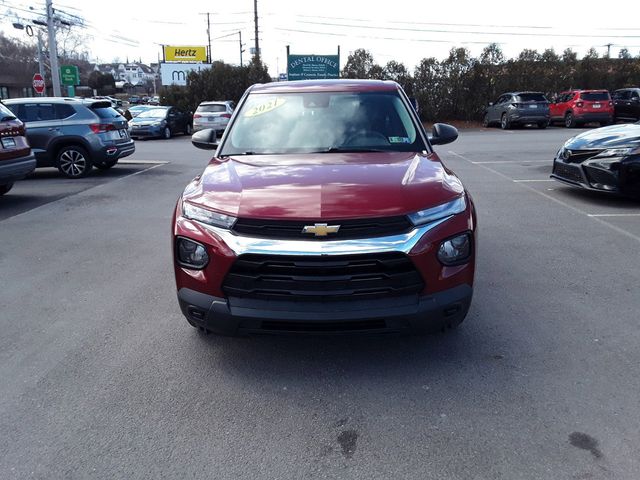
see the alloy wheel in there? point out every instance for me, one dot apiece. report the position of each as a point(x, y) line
point(73, 163)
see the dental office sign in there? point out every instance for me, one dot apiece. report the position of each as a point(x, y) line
point(313, 67)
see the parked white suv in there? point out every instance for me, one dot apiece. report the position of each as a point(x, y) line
point(213, 114)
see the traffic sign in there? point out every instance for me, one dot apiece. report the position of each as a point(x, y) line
point(69, 75)
point(38, 83)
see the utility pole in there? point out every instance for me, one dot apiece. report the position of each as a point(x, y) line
point(255, 21)
point(209, 37)
point(609, 45)
point(241, 45)
point(53, 51)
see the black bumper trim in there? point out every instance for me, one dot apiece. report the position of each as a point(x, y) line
point(12, 170)
point(410, 314)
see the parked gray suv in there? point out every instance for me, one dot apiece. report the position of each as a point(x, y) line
point(516, 109)
point(73, 135)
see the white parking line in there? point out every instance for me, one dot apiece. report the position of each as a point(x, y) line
point(515, 162)
point(614, 215)
point(558, 201)
point(141, 162)
point(536, 180)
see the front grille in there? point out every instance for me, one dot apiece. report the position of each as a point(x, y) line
point(288, 229)
point(568, 172)
point(322, 278)
point(579, 156)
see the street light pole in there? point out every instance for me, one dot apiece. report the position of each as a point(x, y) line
point(53, 51)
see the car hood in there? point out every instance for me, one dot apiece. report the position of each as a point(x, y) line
point(324, 186)
point(615, 136)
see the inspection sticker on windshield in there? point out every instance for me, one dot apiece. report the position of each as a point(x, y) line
point(265, 107)
point(399, 140)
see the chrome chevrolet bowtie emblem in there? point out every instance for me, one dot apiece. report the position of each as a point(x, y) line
point(321, 229)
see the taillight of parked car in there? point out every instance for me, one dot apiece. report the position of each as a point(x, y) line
point(226, 115)
point(102, 127)
point(197, 115)
point(580, 104)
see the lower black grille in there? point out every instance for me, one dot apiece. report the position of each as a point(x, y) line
point(353, 326)
point(599, 178)
point(359, 228)
point(568, 172)
point(322, 278)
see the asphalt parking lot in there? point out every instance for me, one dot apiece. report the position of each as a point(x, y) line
point(101, 376)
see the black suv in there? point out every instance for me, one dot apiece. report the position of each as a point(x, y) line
point(72, 134)
point(626, 103)
point(517, 109)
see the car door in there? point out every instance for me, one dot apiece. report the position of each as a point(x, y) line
point(621, 100)
point(173, 120)
point(43, 127)
point(503, 106)
point(556, 106)
point(493, 110)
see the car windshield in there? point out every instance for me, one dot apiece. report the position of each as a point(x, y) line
point(531, 97)
point(322, 122)
point(153, 113)
point(595, 96)
point(212, 108)
point(5, 114)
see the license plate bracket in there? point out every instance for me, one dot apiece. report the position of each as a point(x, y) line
point(8, 142)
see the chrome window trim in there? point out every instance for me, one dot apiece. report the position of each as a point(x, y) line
point(403, 243)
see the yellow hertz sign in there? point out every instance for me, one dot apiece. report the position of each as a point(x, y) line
point(185, 54)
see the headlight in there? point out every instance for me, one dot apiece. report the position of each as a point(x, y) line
point(618, 152)
point(456, 250)
point(157, 124)
point(191, 254)
point(429, 215)
point(207, 216)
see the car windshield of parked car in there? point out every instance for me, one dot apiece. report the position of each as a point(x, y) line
point(595, 96)
point(322, 122)
point(153, 113)
point(531, 97)
point(214, 108)
point(5, 114)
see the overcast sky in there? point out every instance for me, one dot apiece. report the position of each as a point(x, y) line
point(403, 30)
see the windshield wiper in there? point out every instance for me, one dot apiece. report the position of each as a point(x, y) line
point(350, 150)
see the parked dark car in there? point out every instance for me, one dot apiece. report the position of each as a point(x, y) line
point(134, 99)
point(518, 109)
point(626, 103)
point(161, 122)
point(16, 159)
point(577, 107)
point(325, 210)
point(73, 135)
point(606, 159)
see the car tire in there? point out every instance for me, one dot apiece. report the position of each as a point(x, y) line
point(5, 188)
point(74, 161)
point(105, 165)
point(505, 123)
point(485, 121)
point(570, 120)
point(543, 125)
point(166, 133)
point(188, 130)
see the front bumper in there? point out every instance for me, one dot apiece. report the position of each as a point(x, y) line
point(411, 314)
point(146, 132)
point(12, 170)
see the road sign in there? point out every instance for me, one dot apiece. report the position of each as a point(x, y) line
point(38, 83)
point(310, 67)
point(69, 75)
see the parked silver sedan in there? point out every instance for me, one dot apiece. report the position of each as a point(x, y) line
point(213, 114)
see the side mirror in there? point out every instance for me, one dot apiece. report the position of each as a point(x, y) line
point(443, 134)
point(206, 139)
point(491, 104)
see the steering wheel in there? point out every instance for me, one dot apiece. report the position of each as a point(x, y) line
point(364, 139)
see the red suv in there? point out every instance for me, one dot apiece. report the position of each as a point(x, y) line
point(324, 209)
point(577, 107)
point(16, 160)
